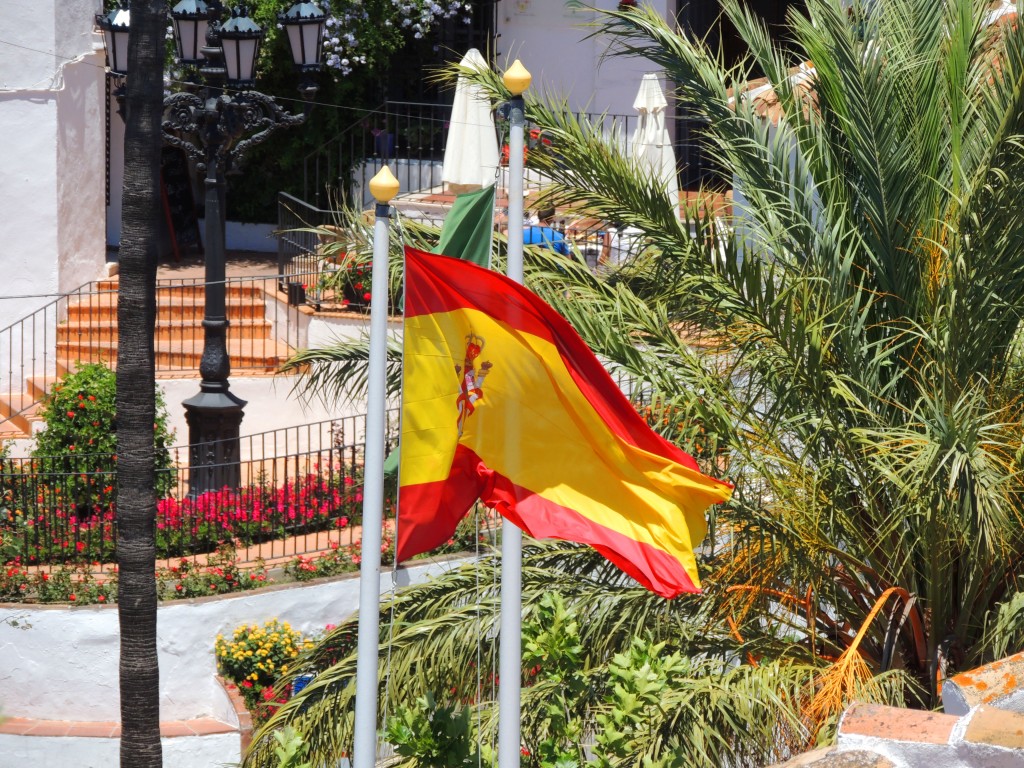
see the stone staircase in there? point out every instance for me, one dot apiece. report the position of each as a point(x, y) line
point(90, 335)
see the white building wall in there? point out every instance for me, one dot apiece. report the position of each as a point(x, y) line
point(80, 193)
point(548, 37)
point(28, 229)
point(51, 134)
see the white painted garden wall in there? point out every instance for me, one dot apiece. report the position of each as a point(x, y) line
point(64, 665)
point(212, 751)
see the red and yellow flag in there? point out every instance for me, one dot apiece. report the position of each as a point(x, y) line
point(504, 402)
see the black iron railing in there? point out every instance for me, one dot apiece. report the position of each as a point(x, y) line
point(409, 137)
point(300, 492)
point(81, 327)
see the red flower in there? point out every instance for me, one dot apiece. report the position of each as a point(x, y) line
point(247, 683)
point(71, 414)
point(102, 598)
point(72, 597)
point(366, 296)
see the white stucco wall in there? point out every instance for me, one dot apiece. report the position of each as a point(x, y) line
point(28, 231)
point(51, 132)
point(548, 37)
point(81, 161)
point(64, 666)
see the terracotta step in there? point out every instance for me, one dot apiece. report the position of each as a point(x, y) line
point(18, 425)
point(167, 329)
point(260, 354)
point(248, 290)
point(104, 308)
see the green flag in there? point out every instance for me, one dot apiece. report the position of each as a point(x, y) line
point(466, 233)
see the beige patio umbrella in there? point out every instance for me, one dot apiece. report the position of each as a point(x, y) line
point(651, 144)
point(471, 154)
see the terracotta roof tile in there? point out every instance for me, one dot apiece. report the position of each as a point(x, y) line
point(999, 683)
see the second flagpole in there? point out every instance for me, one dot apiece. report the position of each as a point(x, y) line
point(517, 80)
point(383, 186)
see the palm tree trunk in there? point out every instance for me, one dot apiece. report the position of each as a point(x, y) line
point(136, 402)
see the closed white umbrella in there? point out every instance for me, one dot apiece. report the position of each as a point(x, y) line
point(651, 144)
point(471, 154)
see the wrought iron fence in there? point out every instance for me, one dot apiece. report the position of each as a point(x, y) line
point(300, 493)
point(300, 250)
point(409, 137)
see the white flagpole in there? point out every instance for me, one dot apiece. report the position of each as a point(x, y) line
point(517, 80)
point(383, 186)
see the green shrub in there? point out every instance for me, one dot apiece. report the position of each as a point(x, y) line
point(80, 437)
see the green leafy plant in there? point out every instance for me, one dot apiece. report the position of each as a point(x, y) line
point(433, 735)
point(345, 281)
point(76, 585)
point(221, 575)
point(554, 659)
point(338, 559)
point(638, 680)
point(80, 437)
point(290, 749)
point(15, 580)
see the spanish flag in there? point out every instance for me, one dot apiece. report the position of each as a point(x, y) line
point(504, 402)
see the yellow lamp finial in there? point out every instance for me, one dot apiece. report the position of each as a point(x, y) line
point(517, 78)
point(384, 185)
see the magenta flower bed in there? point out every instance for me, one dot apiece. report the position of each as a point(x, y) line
point(44, 526)
point(256, 513)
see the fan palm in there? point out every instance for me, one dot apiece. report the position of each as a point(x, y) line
point(846, 348)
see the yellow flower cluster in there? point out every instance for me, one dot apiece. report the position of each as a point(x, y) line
point(258, 654)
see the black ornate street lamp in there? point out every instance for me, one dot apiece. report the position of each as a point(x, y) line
point(216, 123)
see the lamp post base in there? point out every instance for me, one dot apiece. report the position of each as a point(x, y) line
point(214, 420)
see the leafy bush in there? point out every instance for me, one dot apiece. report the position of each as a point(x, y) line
point(80, 437)
point(80, 584)
point(338, 559)
point(221, 575)
point(435, 736)
point(75, 584)
point(347, 280)
point(14, 581)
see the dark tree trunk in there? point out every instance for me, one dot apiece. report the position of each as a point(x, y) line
point(136, 403)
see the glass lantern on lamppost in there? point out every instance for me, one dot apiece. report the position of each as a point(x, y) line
point(215, 122)
point(115, 25)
